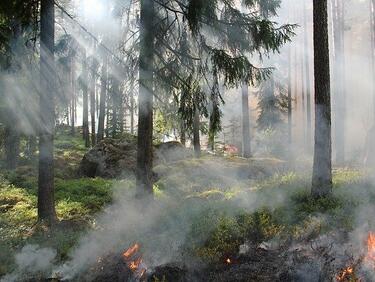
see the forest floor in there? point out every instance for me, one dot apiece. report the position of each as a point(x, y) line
point(239, 201)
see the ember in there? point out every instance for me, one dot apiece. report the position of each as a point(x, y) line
point(134, 261)
point(347, 274)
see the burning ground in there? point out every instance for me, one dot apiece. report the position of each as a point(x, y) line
point(214, 219)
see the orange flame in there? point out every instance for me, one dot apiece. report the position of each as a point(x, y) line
point(370, 256)
point(228, 261)
point(134, 261)
point(131, 251)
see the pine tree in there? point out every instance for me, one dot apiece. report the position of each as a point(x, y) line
point(46, 204)
point(322, 167)
point(145, 100)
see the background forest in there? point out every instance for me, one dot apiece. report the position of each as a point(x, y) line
point(187, 140)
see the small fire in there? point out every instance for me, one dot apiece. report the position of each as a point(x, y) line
point(134, 261)
point(370, 256)
point(347, 274)
point(228, 261)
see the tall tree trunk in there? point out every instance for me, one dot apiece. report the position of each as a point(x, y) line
point(103, 97)
point(85, 102)
point(290, 96)
point(46, 201)
point(145, 101)
point(12, 144)
point(132, 106)
point(31, 146)
point(121, 114)
point(322, 167)
point(339, 80)
point(372, 29)
point(115, 106)
point(73, 96)
point(92, 101)
point(246, 140)
point(196, 137)
point(307, 78)
point(182, 133)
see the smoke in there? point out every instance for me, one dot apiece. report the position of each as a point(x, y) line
point(32, 259)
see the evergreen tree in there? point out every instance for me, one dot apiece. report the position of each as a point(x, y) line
point(46, 204)
point(322, 167)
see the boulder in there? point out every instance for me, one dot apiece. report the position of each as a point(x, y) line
point(117, 158)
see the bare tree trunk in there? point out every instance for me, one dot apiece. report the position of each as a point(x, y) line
point(322, 167)
point(92, 102)
point(182, 133)
point(121, 114)
point(339, 80)
point(73, 95)
point(46, 201)
point(290, 96)
point(246, 140)
point(114, 98)
point(85, 126)
point(145, 101)
point(196, 137)
point(307, 79)
point(372, 28)
point(103, 97)
point(132, 106)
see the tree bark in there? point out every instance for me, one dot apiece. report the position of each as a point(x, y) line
point(73, 95)
point(145, 101)
point(103, 97)
point(307, 79)
point(322, 167)
point(132, 106)
point(92, 101)
point(85, 106)
point(290, 96)
point(246, 140)
point(46, 201)
point(196, 137)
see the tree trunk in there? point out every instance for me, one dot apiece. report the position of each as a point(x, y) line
point(103, 97)
point(145, 101)
point(92, 102)
point(196, 137)
point(132, 106)
point(73, 96)
point(182, 133)
point(307, 79)
point(12, 144)
point(31, 147)
point(85, 101)
point(46, 201)
point(290, 97)
point(372, 28)
point(246, 140)
point(322, 167)
point(339, 80)
point(114, 98)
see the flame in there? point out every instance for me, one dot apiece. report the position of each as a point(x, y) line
point(134, 261)
point(228, 261)
point(131, 251)
point(370, 256)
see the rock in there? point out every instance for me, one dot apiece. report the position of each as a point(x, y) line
point(116, 158)
point(110, 158)
point(170, 152)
